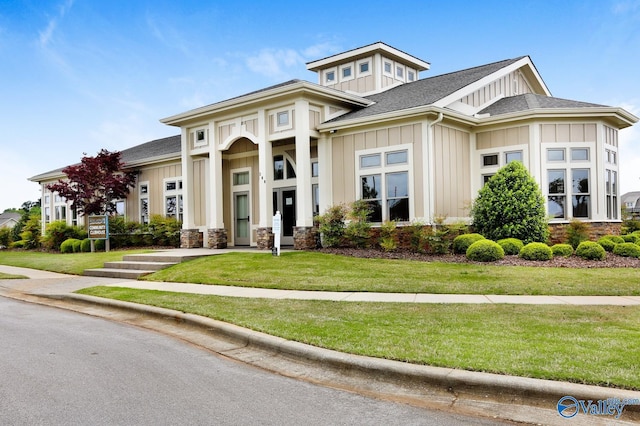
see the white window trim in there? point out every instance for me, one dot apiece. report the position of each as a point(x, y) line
point(195, 143)
point(567, 165)
point(286, 181)
point(171, 193)
point(360, 62)
point(241, 188)
point(384, 71)
point(402, 69)
point(325, 75)
point(353, 72)
point(383, 170)
point(278, 127)
point(141, 197)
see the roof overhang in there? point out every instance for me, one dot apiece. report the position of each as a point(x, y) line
point(297, 89)
point(379, 47)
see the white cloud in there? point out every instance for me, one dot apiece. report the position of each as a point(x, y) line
point(46, 35)
point(321, 50)
point(275, 63)
point(629, 141)
point(16, 169)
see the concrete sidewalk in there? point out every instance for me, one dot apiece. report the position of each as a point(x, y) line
point(52, 283)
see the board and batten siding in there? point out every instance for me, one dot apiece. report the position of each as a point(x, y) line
point(503, 137)
point(452, 172)
point(155, 176)
point(511, 84)
point(343, 160)
point(568, 132)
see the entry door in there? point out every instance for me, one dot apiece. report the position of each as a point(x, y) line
point(242, 221)
point(284, 200)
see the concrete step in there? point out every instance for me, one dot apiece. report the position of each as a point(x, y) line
point(147, 265)
point(150, 257)
point(131, 274)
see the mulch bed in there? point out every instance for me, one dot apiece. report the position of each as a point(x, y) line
point(611, 261)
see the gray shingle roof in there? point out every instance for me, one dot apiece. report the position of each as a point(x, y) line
point(532, 101)
point(425, 91)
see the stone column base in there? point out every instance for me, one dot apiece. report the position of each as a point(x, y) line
point(265, 238)
point(190, 238)
point(305, 238)
point(217, 238)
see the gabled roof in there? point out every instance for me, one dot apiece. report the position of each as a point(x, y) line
point(7, 217)
point(148, 152)
point(531, 101)
point(424, 92)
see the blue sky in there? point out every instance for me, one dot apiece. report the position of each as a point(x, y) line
point(77, 76)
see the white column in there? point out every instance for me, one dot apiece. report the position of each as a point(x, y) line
point(325, 177)
point(187, 183)
point(265, 171)
point(216, 218)
point(303, 165)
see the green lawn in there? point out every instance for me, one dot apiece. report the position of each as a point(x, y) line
point(73, 263)
point(586, 344)
point(10, 276)
point(318, 271)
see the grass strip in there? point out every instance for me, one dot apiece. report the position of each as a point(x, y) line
point(597, 345)
point(326, 272)
point(71, 263)
point(4, 276)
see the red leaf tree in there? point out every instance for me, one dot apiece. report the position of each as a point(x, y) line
point(95, 184)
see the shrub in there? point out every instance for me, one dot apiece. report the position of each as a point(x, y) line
point(590, 251)
point(536, 251)
point(485, 251)
point(5, 237)
point(510, 205)
point(30, 235)
point(627, 250)
point(331, 226)
point(511, 246)
point(438, 236)
point(358, 231)
point(564, 250)
point(57, 232)
point(388, 236)
point(631, 238)
point(165, 230)
point(577, 232)
point(417, 231)
point(85, 245)
point(462, 242)
point(606, 243)
point(69, 245)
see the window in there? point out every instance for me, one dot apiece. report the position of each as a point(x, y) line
point(580, 191)
point(611, 190)
point(330, 76)
point(200, 136)
point(171, 186)
point(283, 168)
point(315, 172)
point(173, 198)
point(579, 154)
point(283, 118)
point(400, 72)
point(513, 156)
point(144, 202)
point(346, 72)
point(364, 67)
point(557, 195)
point(47, 214)
point(490, 160)
point(554, 154)
point(120, 209)
point(370, 160)
point(387, 67)
point(60, 212)
point(315, 194)
point(485, 179)
point(385, 187)
point(241, 178)
point(411, 76)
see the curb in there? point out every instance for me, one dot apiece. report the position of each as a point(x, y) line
point(422, 385)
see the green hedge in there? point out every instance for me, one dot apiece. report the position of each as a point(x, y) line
point(462, 242)
point(511, 246)
point(564, 250)
point(591, 251)
point(536, 251)
point(627, 250)
point(485, 251)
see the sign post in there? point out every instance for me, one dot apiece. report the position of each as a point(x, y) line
point(277, 227)
point(99, 230)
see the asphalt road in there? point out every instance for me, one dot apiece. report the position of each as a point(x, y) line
point(63, 368)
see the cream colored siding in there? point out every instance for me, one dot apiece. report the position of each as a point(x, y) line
point(224, 131)
point(252, 126)
point(511, 84)
point(199, 188)
point(503, 137)
point(610, 136)
point(344, 161)
point(314, 119)
point(155, 176)
point(560, 132)
point(452, 172)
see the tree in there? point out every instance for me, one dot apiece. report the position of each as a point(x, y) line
point(95, 184)
point(510, 205)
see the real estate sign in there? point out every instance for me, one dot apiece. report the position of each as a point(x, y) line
point(98, 227)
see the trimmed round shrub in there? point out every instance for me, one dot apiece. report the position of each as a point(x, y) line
point(631, 238)
point(536, 251)
point(511, 246)
point(564, 250)
point(85, 245)
point(627, 250)
point(462, 242)
point(485, 251)
point(608, 242)
point(68, 245)
point(591, 251)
